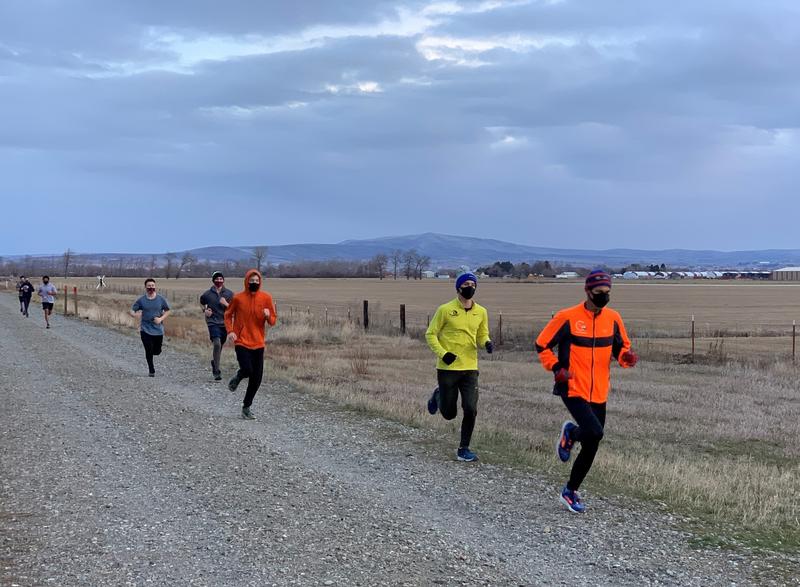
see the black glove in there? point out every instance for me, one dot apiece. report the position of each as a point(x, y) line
point(489, 347)
point(448, 358)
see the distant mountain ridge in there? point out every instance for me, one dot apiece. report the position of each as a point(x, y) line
point(452, 251)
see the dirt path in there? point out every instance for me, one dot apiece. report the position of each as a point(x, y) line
point(112, 478)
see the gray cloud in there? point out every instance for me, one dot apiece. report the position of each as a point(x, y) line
point(670, 124)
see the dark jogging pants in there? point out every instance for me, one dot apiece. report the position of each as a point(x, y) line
point(152, 346)
point(591, 419)
point(451, 384)
point(251, 367)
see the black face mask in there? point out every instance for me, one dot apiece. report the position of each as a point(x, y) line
point(253, 286)
point(467, 292)
point(600, 299)
point(151, 290)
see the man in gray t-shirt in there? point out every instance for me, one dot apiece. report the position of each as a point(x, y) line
point(214, 302)
point(47, 291)
point(152, 310)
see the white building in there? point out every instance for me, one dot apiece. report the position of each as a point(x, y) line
point(786, 274)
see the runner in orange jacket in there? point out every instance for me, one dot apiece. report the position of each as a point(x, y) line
point(247, 313)
point(588, 336)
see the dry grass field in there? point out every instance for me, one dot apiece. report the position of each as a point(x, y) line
point(716, 440)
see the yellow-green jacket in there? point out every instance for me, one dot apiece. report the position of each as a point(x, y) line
point(458, 331)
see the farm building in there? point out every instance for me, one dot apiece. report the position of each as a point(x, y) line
point(786, 274)
point(429, 274)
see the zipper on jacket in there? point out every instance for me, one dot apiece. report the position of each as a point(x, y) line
point(591, 387)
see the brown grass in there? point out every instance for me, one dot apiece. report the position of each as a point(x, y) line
point(716, 438)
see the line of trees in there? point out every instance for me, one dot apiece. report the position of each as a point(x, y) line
point(172, 265)
point(523, 270)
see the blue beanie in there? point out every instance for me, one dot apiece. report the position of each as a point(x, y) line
point(467, 276)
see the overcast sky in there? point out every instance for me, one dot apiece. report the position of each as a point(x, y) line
point(152, 125)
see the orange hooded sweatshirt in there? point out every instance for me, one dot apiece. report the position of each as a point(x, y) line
point(245, 314)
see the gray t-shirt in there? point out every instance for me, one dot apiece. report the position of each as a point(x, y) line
point(211, 299)
point(47, 291)
point(150, 309)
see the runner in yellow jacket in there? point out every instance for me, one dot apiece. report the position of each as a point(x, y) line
point(454, 334)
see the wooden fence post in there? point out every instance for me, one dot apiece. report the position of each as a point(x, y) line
point(75, 300)
point(366, 314)
point(403, 318)
point(794, 339)
point(692, 338)
point(65, 300)
point(500, 330)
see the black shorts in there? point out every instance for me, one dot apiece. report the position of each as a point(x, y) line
point(217, 331)
point(47, 306)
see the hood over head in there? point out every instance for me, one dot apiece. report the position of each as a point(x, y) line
point(247, 277)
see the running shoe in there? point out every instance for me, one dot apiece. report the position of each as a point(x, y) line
point(466, 455)
point(572, 500)
point(565, 441)
point(233, 383)
point(433, 402)
point(248, 414)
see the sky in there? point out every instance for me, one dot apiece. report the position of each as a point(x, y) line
point(150, 126)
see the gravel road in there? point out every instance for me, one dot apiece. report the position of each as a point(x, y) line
point(110, 477)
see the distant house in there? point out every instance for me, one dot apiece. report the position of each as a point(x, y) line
point(630, 275)
point(429, 274)
point(443, 276)
point(786, 274)
point(567, 275)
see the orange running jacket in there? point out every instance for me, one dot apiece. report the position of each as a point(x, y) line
point(586, 344)
point(245, 315)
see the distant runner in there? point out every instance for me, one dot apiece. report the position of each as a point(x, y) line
point(588, 337)
point(25, 289)
point(214, 302)
point(454, 334)
point(151, 309)
point(245, 318)
point(48, 292)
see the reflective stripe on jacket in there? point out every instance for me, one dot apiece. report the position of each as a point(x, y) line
point(586, 343)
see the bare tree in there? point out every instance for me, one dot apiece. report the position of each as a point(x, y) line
point(259, 254)
point(153, 265)
point(396, 259)
point(378, 264)
point(170, 257)
point(67, 257)
point(409, 263)
point(422, 262)
point(187, 260)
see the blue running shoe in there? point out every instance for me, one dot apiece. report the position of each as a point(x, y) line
point(466, 455)
point(433, 402)
point(565, 441)
point(572, 500)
